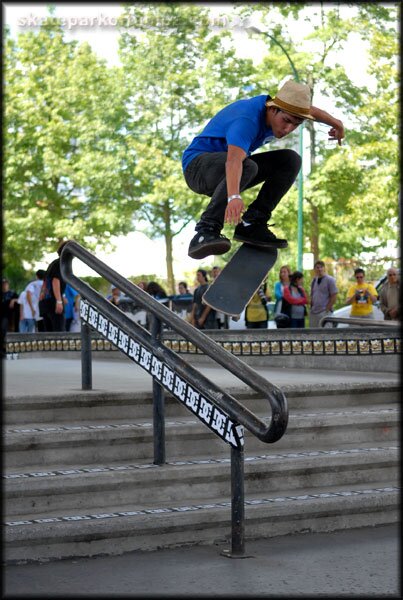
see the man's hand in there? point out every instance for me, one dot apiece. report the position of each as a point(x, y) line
point(59, 308)
point(337, 132)
point(393, 312)
point(234, 210)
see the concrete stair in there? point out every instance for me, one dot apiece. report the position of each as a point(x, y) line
point(79, 478)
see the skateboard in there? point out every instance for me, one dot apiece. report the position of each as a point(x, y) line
point(234, 287)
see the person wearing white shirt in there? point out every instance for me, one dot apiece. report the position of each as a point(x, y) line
point(29, 301)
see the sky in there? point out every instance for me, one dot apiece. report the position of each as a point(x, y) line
point(96, 24)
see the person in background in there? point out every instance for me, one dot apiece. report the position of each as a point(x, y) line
point(115, 295)
point(27, 320)
point(284, 279)
point(390, 296)
point(295, 301)
point(156, 291)
point(183, 289)
point(256, 312)
point(71, 308)
point(181, 303)
point(51, 305)
point(222, 319)
point(202, 316)
point(361, 296)
point(9, 303)
point(323, 294)
point(33, 291)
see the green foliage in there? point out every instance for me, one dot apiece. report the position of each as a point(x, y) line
point(178, 74)
point(350, 195)
point(90, 150)
point(66, 170)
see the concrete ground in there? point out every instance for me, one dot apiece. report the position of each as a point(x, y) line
point(360, 563)
point(32, 376)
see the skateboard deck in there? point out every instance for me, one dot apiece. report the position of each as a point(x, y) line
point(234, 287)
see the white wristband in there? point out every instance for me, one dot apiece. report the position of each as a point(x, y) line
point(234, 196)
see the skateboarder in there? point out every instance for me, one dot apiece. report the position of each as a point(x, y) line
point(219, 164)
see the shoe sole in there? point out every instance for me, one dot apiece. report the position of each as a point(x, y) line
point(273, 244)
point(210, 248)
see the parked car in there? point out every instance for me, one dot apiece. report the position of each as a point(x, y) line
point(345, 311)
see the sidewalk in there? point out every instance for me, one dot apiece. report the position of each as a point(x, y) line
point(31, 376)
point(358, 563)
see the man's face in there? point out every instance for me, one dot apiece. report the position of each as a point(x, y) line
point(282, 123)
point(392, 275)
point(319, 270)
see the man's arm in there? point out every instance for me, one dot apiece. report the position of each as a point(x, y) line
point(233, 173)
point(58, 295)
point(331, 301)
point(337, 128)
point(371, 293)
point(29, 300)
point(202, 319)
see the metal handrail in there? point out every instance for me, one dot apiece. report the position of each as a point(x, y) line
point(358, 321)
point(279, 417)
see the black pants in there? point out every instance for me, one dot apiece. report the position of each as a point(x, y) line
point(277, 170)
point(256, 324)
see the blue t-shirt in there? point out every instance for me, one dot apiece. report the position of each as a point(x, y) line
point(242, 124)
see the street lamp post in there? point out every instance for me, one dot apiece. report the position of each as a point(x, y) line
point(301, 149)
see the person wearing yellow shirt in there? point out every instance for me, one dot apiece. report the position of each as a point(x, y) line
point(361, 296)
point(256, 313)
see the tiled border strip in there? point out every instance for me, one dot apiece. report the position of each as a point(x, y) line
point(334, 347)
point(193, 507)
point(206, 461)
point(190, 421)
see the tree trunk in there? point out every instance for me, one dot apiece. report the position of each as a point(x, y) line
point(169, 248)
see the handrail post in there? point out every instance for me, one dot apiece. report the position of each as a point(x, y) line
point(86, 357)
point(237, 505)
point(158, 403)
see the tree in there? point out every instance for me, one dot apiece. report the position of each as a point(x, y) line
point(66, 169)
point(350, 192)
point(178, 73)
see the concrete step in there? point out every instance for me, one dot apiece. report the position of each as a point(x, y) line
point(80, 479)
point(124, 529)
point(34, 494)
point(85, 406)
point(95, 442)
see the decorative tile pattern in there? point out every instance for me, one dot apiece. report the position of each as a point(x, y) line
point(206, 461)
point(193, 507)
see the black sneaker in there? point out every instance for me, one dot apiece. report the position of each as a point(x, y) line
point(258, 234)
point(207, 242)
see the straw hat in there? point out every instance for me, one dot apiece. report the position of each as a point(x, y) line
point(293, 98)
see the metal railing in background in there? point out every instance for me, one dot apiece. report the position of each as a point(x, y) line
point(361, 322)
point(221, 412)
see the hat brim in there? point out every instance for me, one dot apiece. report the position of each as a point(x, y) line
point(292, 111)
